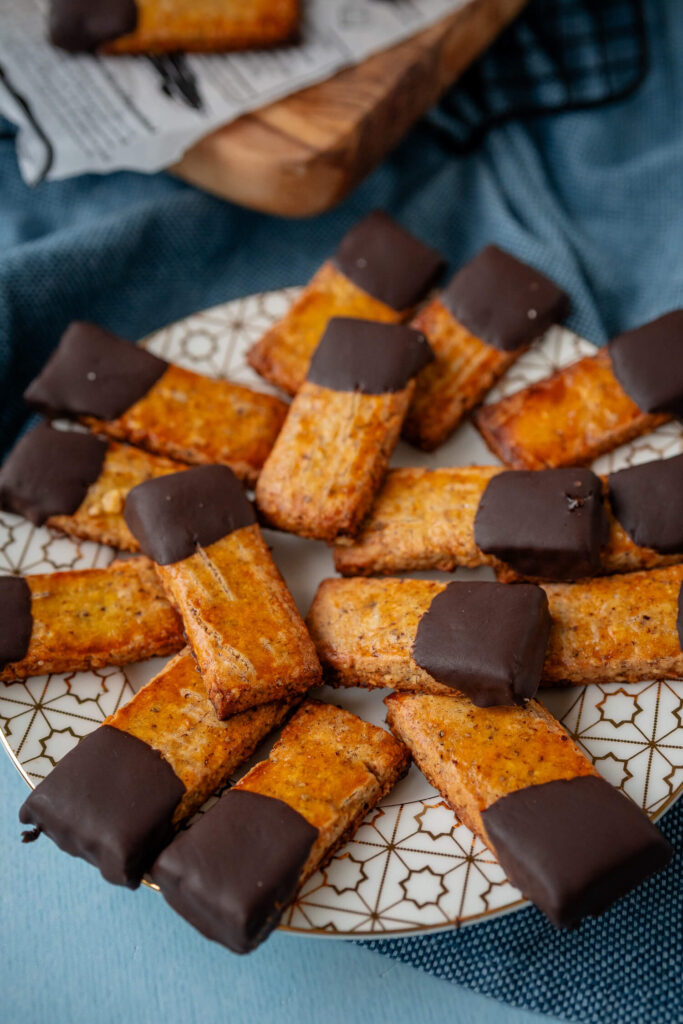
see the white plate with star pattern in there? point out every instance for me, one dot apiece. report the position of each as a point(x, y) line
point(411, 867)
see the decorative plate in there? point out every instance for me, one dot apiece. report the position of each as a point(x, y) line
point(412, 867)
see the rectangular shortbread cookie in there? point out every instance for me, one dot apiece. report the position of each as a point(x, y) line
point(99, 516)
point(343, 425)
point(331, 767)
point(117, 797)
point(379, 271)
point(487, 316)
point(85, 619)
point(173, 714)
point(475, 756)
point(567, 419)
point(124, 392)
point(420, 519)
point(198, 420)
point(424, 519)
point(242, 623)
point(162, 26)
point(282, 355)
point(443, 397)
point(603, 630)
point(329, 460)
point(240, 620)
point(562, 834)
point(233, 873)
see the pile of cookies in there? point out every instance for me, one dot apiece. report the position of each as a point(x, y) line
point(589, 573)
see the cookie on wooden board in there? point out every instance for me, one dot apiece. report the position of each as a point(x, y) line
point(161, 26)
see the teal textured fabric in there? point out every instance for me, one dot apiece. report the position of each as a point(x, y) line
point(623, 968)
point(594, 198)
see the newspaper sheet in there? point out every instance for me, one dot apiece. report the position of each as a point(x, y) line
point(85, 113)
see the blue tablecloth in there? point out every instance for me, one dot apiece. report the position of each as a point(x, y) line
point(596, 199)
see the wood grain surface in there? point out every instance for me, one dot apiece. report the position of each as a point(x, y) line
point(303, 154)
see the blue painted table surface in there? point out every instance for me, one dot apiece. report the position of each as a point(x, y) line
point(78, 951)
point(595, 198)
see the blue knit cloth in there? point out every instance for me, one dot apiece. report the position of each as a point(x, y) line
point(593, 198)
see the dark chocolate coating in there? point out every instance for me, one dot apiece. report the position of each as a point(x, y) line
point(502, 301)
point(234, 871)
point(366, 356)
point(648, 500)
point(93, 372)
point(173, 514)
point(77, 25)
point(648, 363)
point(487, 640)
point(48, 473)
point(16, 620)
point(573, 846)
point(110, 801)
point(387, 262)
point(549, 523)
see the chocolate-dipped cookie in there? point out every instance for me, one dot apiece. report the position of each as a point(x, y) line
point(571, 842)
point(84, 619)
point(378, 272)
point(239, 618)
point(549, 524)
point(124, 392)
point(333, 451)
point(609, 629)
point(490, 312)
point(159, 26)
point(647, 501)
point(233, 874)
point(487, 640)
point(648, 363)
point(593, 405)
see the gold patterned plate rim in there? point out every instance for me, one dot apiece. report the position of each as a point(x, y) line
point(412, 867)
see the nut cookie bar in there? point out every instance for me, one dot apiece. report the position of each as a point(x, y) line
point(420, 519)
point(554, 524)
point(117, 797)
point(333, 451)
point(571, 842)
point(126, 393)
point(616, 628)
point(77, 483)
point(84, 619)
point(378, 272)
point(233, 873)
point(593, 405)
point(160, 26)
point(603, 630)
point(239, 618)
point(487, 640)
point(489, 314)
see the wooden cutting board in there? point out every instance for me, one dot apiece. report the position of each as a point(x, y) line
point(303, 154)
